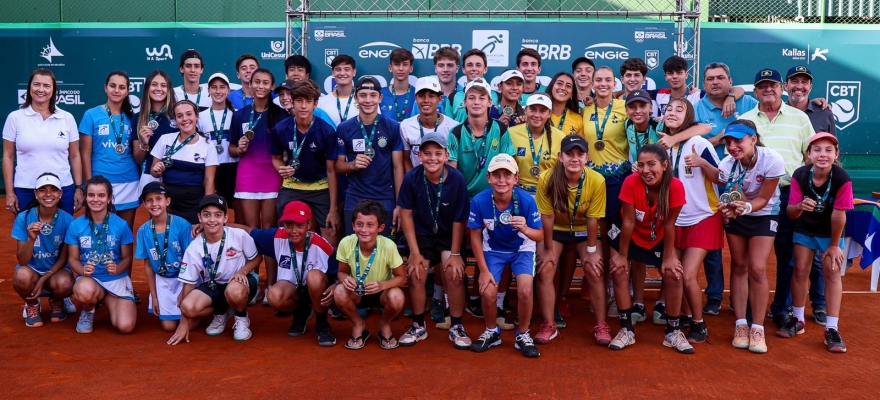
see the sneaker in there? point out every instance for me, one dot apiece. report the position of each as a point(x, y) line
point(602, 333)
point(86, 322)
point(298, 324)
point(437, 310)
point(791, 328)
point(335, 312)
point(685, 322)
point(713, 307)
point(241, 329)
point(24, 311)
point(526, 345)
point(57, 313)
point(741, 337)
point(564, 308)
point(33, 319)
point(612, 308)
point(489, 338)
point(624, 338)
point(546, 333)
point(445, 323)
point(325, 335)
point(834, 341)
point(257, 296)
point(266, 298)
point(660, 314)
point(218, 325)
point(820, 316)
point(699, 332)
point(757, 344)
point(475, 307)
point(69, 307)
point(639, 314)
point(504, 321)
point(677, 341)
point(557, 318)
point(413, 335)
point(459, 338)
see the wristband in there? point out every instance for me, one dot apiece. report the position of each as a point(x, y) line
point(731, 95)
point(591, 249)
point(748, 209)
point(455, 254)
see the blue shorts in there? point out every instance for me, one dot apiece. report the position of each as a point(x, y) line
point(819, 244)
point(612, 199)
point(521, 263)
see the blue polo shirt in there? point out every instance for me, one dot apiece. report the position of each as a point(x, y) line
point(318, 147)
point(117, 168)
point(453, 200)
point(376, 182)
point(707, 113)
point(80, 234)
point(180, 236)
point(399, 107)
point(47, 248)
point(502, 237)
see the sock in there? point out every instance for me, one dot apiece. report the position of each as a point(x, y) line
point(474, 297)
point(446, 300)
point(740, 322)
point(498, 330)
point(672, 323)
point(831, 322)
point(419, 319)
point(499, 299)
point(799, 313)
point(93, 311)
point(242, 313)
point(455, 321)
point(758, 327)
point(321, 317)
point(438, 292)
point(626, 319)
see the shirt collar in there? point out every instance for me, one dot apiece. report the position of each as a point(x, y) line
point(29, 111)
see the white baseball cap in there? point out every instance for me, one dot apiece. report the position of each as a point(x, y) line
point(428, 83)
point(48, 179)
point(512, 73)
point(219, 75)
point(478, 82)
point(503, 161)
point(539, 99)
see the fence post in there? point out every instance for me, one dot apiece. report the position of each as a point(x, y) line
point(821, 11)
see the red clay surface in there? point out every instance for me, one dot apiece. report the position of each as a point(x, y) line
point(56, 362)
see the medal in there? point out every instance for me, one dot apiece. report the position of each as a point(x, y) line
point(369, 152)
point(219, 149)
point(212, 285)
point(536, 156)
point(218, 133)
point(435, 227)
point(600, 130)
point(359, 289)
point(212, 266)
point(163, 270)
point(103, 258)
point(118, 130)
point(735, 196)
point(120, 148)
point(296, 147)
point(508, 111)
point(153, 124)
point(100, 244)
point(294, 163)
point(504, 218)
point(167, 162)
point(536, 172)
point(820, 200)
point(725, 198)
point(599, 145)
point(46, 229)
point(94, 258)
point(819, 207)
point(249, 134)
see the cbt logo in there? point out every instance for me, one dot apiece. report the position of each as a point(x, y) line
point(844, 97)
point(329, 56)
point(496, 45)
point(164, 53)
point(560, 52)
point(135, 87)
point(423, 49)
point(606, 51)
point(377, 50)
point(652, 58)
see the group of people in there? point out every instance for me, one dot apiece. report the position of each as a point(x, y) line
point(328, 189)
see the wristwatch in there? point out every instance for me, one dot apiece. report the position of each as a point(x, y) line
point(729, 94)
point(81, 187)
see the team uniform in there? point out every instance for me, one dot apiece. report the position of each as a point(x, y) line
point(399, 107)
point(108, 134)
point(661, 100)
point(472, 154)
point(185, 177)
point(338, 109)
point(458, 111)
point(166, 126)
point(570, 123)
point(763, 222)
point(612, 161)
point(699, 223)
point(238, 249)
point(387, 259)
point(496, 111)
point(446, 101)
point(412, 132)
point(41, 145)
point(707, 113)
point(546, 149)
point(201, 99)
point(648, 222)
point(539, 88)
point(309, 181)
point(47, 248)
point(168, 287)
point(813, 229)
point(256, 178)
point(275, 243)
point(114, 235)
point(635, 139)
point(590, 204)
point(503, 244)
point(217, 125)
point(419, 194)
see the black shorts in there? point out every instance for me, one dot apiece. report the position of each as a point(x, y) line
point(224, 181)
point(317, 200)
point(431, 246)
point(218, 295)
point(185, 201)
point(751, 226)
point(612, 199)
point(645, 256)
point(568, 237)
point(371, 300)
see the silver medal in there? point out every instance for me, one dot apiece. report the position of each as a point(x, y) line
point(725, 198)
point(369, 152)
point(167, 162)
point(819, 207)
point(507, 110)
point(219, 149)
point(120, 148)
point(504, 218)
point(435, 227)
point(294, 163)
point(536, 172)
point(153, 124)
point(46, 229)
point(94, 258)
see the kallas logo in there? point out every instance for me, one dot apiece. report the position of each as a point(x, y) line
point(845, 98)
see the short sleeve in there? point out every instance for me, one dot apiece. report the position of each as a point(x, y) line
point(453, 145)
point(71, 128)
point(345, 249)
point(235, 132)
point(775, 167)
point(394, 259)
point(406, 197)
point(211, 159)
point(461, 205)
point(125, 234)
point(541, 197)
point(87, 125)
point(191, 266)
point(708, 153)
point(795, 194)
point(844, 200)
point(475, 221)
point(627, 191)
point(19, 227)
point(330, 143)
point(533, 217)
point(276, 141)
point(396, 141)
point(141, 251)
point(341, 151)
point(597, 199)
point(158, 150)
point(248, 246)
point(676, 194)
point(507, 145)
point(264, 240)
point(9, 128)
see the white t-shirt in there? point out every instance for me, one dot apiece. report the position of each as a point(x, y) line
point(237, 251)
point(701, 193)
point(664, 95)
point(204, 101)
point(188, 164)
point(327, 102)
point(40, 145)
point(412, 135)
point(207, 126)
point(769, 165)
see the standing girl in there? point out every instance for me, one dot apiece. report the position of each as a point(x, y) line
point(99, 244)
point(155, 119)
point(566, 114)
point(105, 144)
point(652, 200)
point(217, 122)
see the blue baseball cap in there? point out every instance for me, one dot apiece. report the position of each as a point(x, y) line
point(768, 74)
point(738, 131)
point(799, 70)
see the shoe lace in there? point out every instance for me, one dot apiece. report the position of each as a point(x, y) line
point(603, 328)
point(218, 319)
point(86, 317)
point(546, 327)
point(834, 336)
point(458, 331)
point(741, 331)
point(487, 335)
point(758, 335)
point(526, 339)
point(33, 311)
point(55, 306)
point(678, 339)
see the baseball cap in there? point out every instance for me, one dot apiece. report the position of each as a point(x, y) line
point(511, 73)
point(571, 141)
point(153, 187)
point(579, 60)
point(439, 138)
point(297, 212)
point(48, 179)
point(738, 131)
point(799, 70)
point(638, 95)
point(428, 83)
point(190, 53)
point(539, 99)
point(287, 84)
point(503, 161)
point(822, 135)
point(367, 82)
point(219, 75)
point(478, 82)
point(212, 200)
point(768, 74)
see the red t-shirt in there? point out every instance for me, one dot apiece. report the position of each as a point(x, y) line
point(633, 192)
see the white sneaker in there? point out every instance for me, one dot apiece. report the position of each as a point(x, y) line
point(218, 325)
point(266, 297)
point(258, 295)
point(241, 329)
point(679, 342)
point(68, 306)
point(623, 339)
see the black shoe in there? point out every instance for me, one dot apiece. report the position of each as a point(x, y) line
point(475, 307)
point(336, 313)
point(526, 345)
point(699, 332)
point(713, 307)
point(820, 316)
point(489, 338)
point(791, 328)
point(834, 341)
point(639, 313)
point(781, 319)
point(325, 336)
point(300, 319)
point(685, 322)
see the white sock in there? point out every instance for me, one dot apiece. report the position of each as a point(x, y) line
point(831, 322)
point(474, 297)
point(438, 292)
point(758, 327)
point(740, 322)
point(499, 299)
point(799, 313)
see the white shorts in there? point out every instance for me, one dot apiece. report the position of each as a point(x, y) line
point(126, 195)
point(287, 274)
point(256, 195)
point(121, 288)
point(167, 290)
point(145, 179)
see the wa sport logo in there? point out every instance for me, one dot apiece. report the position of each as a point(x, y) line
point(164, 53)
point(845, 97)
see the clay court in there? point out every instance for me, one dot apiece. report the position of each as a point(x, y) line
point(56, 362)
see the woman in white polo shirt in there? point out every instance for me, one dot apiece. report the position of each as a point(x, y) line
point(41, 137)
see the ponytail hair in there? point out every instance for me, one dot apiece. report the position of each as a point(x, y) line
point(126, 102)
point(98, 180)
point(557, 188)
point(666, 182)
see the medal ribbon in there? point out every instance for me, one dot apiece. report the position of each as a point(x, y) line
point(536, 158)
point(100, 237)
point(656, 214)
point(175, 148)
point(199, 97)
point(562, 120)
point(298, 146)
point(435, 214)
point(218, 133)
point(368, 139)
point(211, 266)
point(600, 132)
point(483, 154)
point(342, 116)
point(117, 129)
point(164, 254)
point(300, 274)
point(55, 219)
point(678, 150)
point(357, 263)
point(734, 184)
point(822, 198)
point(436, 125)
point(495, 208)
point(155, 115)
point(251, 122)
point(577, 203)
point(401, 114)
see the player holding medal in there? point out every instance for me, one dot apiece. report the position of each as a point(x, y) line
point(536, 150)
point(566, 114)
point(217, 122)
point(155, 120)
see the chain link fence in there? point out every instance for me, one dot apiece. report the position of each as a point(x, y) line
point(81, 11)
point(795, 11)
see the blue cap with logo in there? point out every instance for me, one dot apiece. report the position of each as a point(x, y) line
point(768, 74)
point(799, 70)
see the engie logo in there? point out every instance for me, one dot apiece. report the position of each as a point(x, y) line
point(329, 56)
point(560, 52)
point(48, 52)
point(496, 45)
point(377, 50)
point(135, 87)
point(844, 97)
point(164, 53)
point(423, 49)
point(277, 53)
point(606, 51)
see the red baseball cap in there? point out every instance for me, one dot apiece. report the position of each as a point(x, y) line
point(822, 135)
point(297, 212)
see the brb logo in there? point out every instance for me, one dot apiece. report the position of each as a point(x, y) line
point(844, 97)
point(496, 45)
point(560, 52)
point(377, 50)
point(164, 53)
point(423, 49)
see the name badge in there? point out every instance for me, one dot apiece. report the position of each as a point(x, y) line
point(640, 215)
